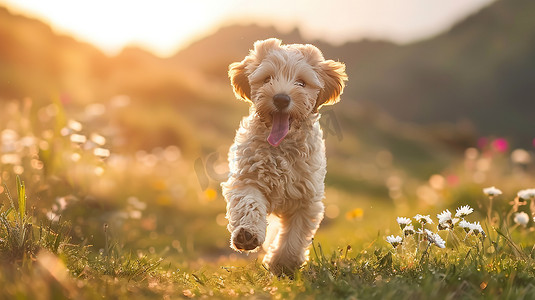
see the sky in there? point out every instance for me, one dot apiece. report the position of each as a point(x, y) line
point(164, 27)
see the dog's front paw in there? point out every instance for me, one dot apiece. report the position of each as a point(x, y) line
point(244, 240)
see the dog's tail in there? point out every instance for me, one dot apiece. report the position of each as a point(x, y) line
point(273, 228)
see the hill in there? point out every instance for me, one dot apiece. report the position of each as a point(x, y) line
point(417, 103)
point(35, 61)
point(480, 71)
point(477, 75)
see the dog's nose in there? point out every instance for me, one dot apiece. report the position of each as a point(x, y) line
point(281, 101)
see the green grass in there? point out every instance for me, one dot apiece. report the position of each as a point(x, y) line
point(471, 268)
point(27, 250)
point(138, 225)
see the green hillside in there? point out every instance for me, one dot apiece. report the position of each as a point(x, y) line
point(421, 102)
point(481, 71)
point(476, 75)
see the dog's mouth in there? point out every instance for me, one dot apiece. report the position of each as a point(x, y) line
point(280, 126)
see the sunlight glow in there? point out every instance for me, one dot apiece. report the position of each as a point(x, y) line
point(165, 26)
point(160, 26)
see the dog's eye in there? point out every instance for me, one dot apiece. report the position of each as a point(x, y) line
point(268, 79)
point(300, 83)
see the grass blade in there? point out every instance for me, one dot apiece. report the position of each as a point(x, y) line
point(22, 199)
point(518, 252)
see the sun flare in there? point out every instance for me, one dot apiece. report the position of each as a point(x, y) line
point(161, 27)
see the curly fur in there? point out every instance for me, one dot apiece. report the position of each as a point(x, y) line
point(287, 180)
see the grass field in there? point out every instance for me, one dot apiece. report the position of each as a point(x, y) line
point(80, 221)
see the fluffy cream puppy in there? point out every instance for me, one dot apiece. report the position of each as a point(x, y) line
point(277, 162)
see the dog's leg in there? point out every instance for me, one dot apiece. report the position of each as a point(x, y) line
point(289, 250)
point(246, 213)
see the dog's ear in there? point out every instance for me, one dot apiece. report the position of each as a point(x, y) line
point(238, 79)
point(239, 71)
point(262, 48)
point(334, 77)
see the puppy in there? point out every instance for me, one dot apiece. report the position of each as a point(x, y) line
point(277, 162)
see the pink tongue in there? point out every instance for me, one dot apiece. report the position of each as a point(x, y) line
point(279, 129)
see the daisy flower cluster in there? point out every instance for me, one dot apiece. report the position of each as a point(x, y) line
point(407, 229)
point(523, 197)
point(446, 220)
point(419, 234)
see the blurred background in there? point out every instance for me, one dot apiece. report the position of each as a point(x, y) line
point(121, 113)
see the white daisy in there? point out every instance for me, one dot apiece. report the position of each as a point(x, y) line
point(477, 229)
point(526, 194)
point(423, 219)
point(444, 226)
point(394, 240)
point(464, 211)
point(402, 221)
point(492, 191)
point(467, 226)
point(408, 230)
point(444, 216)
point(521, 218)
point(445, 221)
point(438, 241)
point(434, 238)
